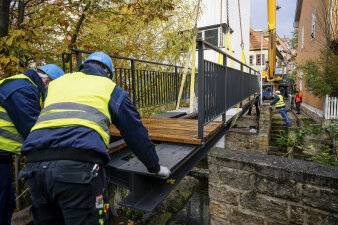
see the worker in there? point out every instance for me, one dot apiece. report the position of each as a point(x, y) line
point(278, 101)
point(21, 97)
point(66, 150)
point(256, 102)
point(298, 99)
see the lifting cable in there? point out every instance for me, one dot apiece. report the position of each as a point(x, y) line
point(242, 46)
point(228, 45)
point(240, 24)
point(192, 51)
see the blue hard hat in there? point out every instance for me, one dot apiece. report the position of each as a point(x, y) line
point(52, 70)
point(103, 58)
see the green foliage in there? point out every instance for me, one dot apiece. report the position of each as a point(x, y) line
point(321, 74)
point(325, 156)
point(292, 75)
point(332, 129)
point(294, 39)
point(295, 139)
point(144, 29)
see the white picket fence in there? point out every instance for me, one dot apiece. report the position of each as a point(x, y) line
point(331, 108)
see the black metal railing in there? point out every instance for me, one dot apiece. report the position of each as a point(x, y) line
point(148, 83)
point(221, 87)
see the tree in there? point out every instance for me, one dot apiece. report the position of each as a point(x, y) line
point(145, 29)
point(294, 39)
point(321, 74)
point(4, 19)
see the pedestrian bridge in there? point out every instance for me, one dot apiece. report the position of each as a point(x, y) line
point(180, 142)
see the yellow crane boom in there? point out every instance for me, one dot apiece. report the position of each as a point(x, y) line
point(272, 38)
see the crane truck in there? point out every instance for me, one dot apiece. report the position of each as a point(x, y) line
point(273, 77)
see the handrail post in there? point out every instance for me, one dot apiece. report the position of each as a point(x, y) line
point(78, 59)
point(63, 62)
point(70, 62)
point(224, 115)
point(176, 84)
point(133, 84)
point(201, 90)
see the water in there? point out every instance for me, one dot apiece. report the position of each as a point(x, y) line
point(196, 210)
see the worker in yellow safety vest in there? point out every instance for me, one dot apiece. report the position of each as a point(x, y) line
point(66, 150)
point(21, 98)
point(279, 104)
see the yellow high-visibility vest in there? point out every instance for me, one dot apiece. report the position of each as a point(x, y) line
point(10, 139)
point(77, 99)
point(280, 103)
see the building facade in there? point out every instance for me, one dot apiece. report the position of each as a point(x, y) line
point(209, 26)
point(255, 57)
point(309, 17)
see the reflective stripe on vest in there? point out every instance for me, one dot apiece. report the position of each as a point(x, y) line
point(78, 99)
point(79, 111)
point(280, 103)
point(10, 138)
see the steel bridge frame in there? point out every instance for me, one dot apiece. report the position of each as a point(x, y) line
point(219, 89)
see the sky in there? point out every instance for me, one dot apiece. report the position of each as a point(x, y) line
point(284, 16)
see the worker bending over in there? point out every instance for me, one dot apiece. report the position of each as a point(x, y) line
point(21, 98)
point(66, 150)
point(278, 101)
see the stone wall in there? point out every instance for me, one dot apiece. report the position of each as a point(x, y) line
point(240, 138)
point(251, 188)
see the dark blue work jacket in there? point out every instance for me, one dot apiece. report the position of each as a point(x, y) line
point(275, 100)
point(123, 114)
point(21, 99)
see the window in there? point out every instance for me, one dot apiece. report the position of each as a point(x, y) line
point(259, 58)
point(251, 59)
point(302, 43)
point(313, 25)
point(211, 36)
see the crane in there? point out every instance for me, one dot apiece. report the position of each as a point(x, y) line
point(273, 76)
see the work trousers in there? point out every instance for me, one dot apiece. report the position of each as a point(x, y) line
point(292, 101)
point(282, 111)
point(257, 109)
point(7, 197)
point(298, 107)
point(67, 192)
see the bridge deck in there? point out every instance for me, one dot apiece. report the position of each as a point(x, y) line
point(175, 130)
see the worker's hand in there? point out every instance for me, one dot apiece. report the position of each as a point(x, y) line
point(164, 172)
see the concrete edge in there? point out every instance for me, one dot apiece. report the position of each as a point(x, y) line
point(284, 168)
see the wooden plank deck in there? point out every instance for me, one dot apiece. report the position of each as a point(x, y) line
point(175, 130)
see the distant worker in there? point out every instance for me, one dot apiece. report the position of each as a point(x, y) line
point(278, 101)
point(66, 151)
point(21, 98)
point(298, 99)
point(256, 102)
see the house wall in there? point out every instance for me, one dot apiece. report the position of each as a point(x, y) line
point(254, 65)
point(311, 48)
point(211, 16)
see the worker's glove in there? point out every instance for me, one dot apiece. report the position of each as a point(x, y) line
point(164, 172)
